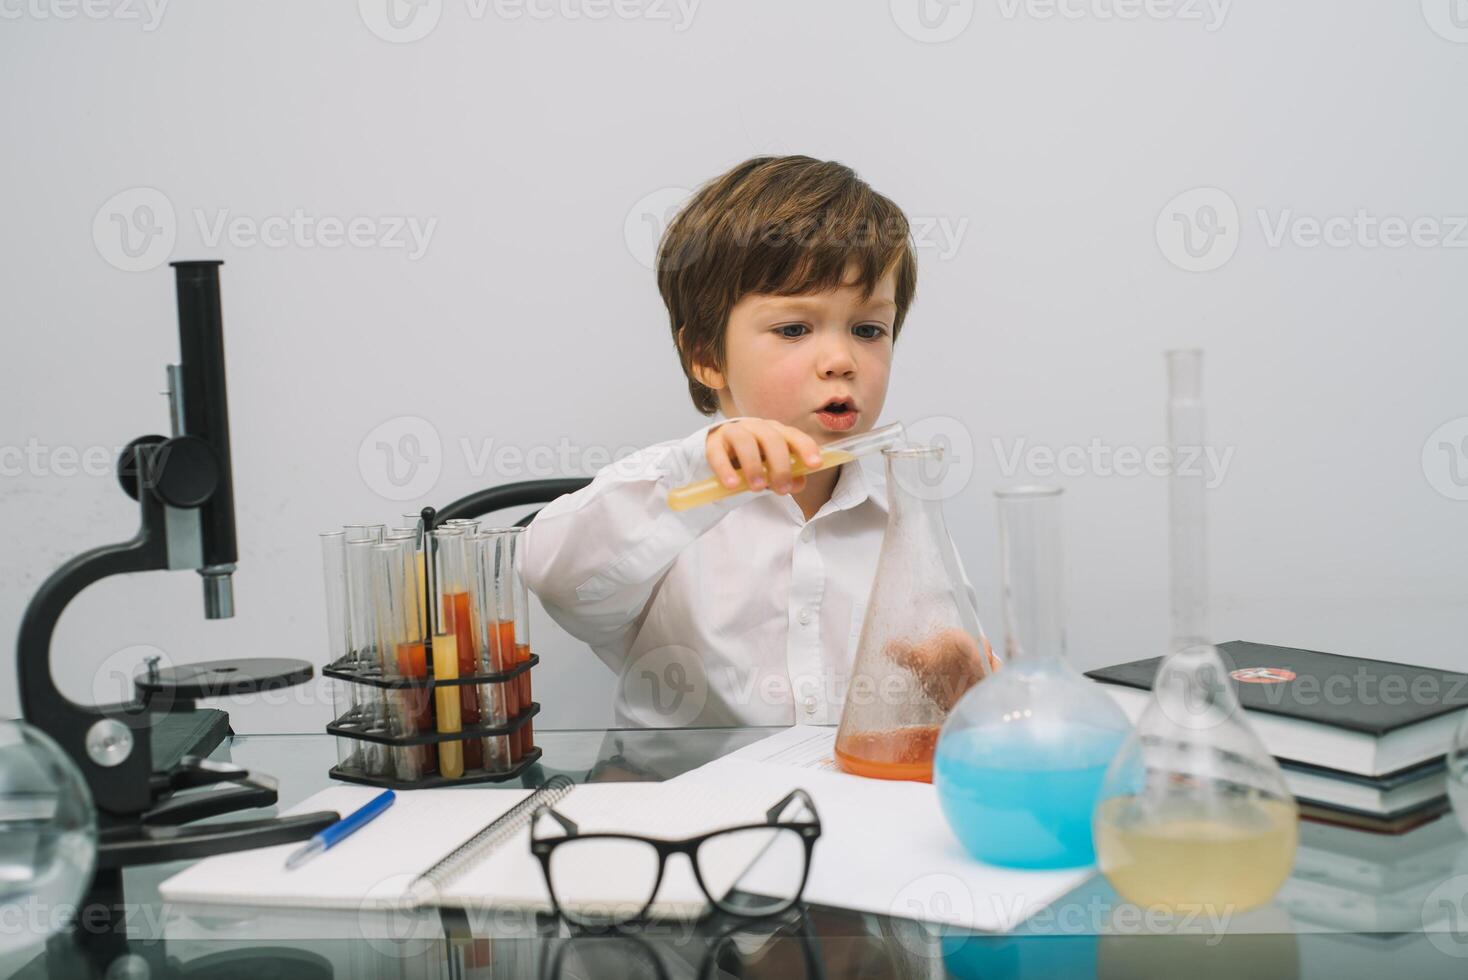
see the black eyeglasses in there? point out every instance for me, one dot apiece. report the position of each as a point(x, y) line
point(748, 870)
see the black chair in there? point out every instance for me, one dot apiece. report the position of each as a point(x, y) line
point(510, 495)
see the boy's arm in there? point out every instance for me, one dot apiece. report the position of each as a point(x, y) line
point(595, 556)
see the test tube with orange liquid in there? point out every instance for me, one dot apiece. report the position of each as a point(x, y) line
point(452, 582)
point(841, 451)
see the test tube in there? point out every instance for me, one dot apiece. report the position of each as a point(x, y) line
point(522, 631)
point(832, 454)
point(334, 568)
point(366, 655)
point(400, 638)
point(338, 648)
point(351, 534)
point(446, 703)
point(492, 697)
point(453, 586)
point(364, 532)
point(503, 628)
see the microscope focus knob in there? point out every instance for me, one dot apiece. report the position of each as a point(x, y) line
point(182, 472)
point(130, 462)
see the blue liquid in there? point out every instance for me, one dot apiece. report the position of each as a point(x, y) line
point(1017, 801)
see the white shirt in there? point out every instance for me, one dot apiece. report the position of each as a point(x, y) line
point(738, 612)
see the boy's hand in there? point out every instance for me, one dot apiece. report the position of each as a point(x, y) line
point(761, 449)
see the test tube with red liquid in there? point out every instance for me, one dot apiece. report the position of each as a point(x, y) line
point(453, 583)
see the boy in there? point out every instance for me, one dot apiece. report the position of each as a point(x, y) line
point(786, 280)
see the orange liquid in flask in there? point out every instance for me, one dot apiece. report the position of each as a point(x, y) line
point(899, 753)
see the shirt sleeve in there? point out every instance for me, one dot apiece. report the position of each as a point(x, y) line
point(595, 557)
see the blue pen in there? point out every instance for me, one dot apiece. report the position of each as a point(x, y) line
point(342, 829)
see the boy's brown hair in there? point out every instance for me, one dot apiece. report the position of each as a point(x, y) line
point(779, 225)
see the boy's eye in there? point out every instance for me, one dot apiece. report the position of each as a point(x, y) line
point(876, 330)
point(785, 330)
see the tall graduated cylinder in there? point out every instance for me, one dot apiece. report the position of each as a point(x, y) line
point(921, 647)
point(1195, 813)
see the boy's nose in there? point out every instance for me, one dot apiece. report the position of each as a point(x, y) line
point(836, 361)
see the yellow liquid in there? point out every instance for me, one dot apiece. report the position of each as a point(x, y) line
point(447, 701)
point(1230, 857)
point(707, 491)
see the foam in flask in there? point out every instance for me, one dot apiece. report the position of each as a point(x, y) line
point(1021, 758)
point(1195, 814)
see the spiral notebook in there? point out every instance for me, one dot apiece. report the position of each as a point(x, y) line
point(473, 845)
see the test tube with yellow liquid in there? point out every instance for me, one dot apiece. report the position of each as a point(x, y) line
point(841, 451)
point(446, 703)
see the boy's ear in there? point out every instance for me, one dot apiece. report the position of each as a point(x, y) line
point(707, 376)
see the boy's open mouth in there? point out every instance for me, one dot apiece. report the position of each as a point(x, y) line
point(837, 414)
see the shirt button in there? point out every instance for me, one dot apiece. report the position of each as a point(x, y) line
point(804, 616)
point(806, 534)
point(810, 703)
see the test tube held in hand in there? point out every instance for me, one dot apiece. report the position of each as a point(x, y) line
point(841, 451)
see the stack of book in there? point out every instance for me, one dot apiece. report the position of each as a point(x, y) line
point(1362, 743)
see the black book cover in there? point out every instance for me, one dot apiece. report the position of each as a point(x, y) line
point(1352, 693)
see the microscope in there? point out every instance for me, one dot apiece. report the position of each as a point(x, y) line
point(184, 489)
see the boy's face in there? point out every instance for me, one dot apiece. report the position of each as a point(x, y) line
point(788, 357)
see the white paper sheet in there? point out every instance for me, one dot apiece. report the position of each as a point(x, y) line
point(885, 846)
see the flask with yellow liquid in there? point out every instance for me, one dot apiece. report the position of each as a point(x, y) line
point(1194, 812)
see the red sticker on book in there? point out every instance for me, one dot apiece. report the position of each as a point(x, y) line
point(1263, 675)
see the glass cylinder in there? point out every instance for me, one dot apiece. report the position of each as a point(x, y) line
point(921, 647)
point(500, 628)
point(453, 584)
point(1195, 814)
point(400, 614)
point(522, 632)
point(369, 703)
point(1021, 758)
point(492, 556)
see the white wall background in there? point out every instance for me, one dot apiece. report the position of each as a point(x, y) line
point(1050, 145)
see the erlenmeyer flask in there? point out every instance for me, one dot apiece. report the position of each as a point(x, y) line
point(921, 647)
point(1022, 756)
point(1194, 813)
